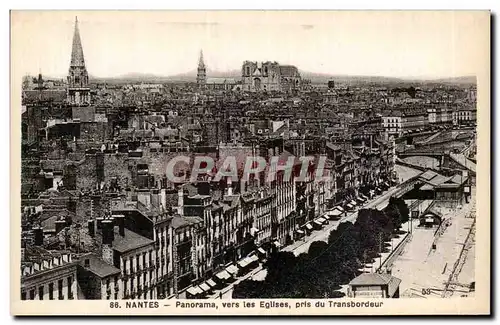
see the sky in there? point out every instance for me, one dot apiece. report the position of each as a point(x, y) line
point(426, 44)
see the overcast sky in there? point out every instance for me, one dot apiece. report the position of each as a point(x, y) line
point(399, 44)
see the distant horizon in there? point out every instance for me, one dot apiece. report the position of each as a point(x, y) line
point(220, 72)
point(403, 45)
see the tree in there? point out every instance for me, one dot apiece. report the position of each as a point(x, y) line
point(393, 213)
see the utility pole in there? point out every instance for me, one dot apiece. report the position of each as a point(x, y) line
point(380, 249)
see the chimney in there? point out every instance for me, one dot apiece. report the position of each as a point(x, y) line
point(99, 223)
point(155, 199)
point(91, 226)
point(243, 186)
point(163, 198)
point(60, 224)
point(119, 220)
point(229, 186)
point(107, 232)
point(180, 204)
point(38, 232)
point(86, 263)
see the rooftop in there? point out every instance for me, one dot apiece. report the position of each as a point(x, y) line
point(99, 267)
point(131, 241)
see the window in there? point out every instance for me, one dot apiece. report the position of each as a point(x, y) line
point(51, 291)
point(40, 292)
point(70, 284)
point(60, 289)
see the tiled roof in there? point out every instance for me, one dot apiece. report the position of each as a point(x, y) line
point(99, 267)
point(179, 221)
point(377, 279)
point(130, 241)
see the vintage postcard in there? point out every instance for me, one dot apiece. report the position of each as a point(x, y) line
point(250, 162)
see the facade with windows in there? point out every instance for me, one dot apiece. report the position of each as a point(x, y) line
point(392, 124)
point(51, 279)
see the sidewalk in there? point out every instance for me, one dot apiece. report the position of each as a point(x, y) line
point(229, 288)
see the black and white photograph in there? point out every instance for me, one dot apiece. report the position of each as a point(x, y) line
point(205, 158)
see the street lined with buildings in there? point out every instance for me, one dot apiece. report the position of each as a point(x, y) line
point(147, 190)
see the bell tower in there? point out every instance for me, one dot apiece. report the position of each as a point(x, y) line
point(78, 92)
point(201, 76)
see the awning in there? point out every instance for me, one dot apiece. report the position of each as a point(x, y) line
point(299, 231)
point(194, 290)
point(321, 219)
point(243, 263)
point(429, 219)
point(350, 206)
point(353, 202)
point(338, 207)
point(378, 189)
point(232, 269)
point(211, 283)
point(248, 259)
point(261, 250)
point(318, 223)
point(254, 258)
point(204, 286)
point(277, 244)
point(309, 226)
point(335, 212)
point(387, 184)
point(223, 275)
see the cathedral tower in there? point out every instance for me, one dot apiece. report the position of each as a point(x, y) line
point(78, 79)
point(201, 77)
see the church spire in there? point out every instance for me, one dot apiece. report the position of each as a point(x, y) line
point(78, 92)
point(201, 63)
point(77, 59)
point(201, 77)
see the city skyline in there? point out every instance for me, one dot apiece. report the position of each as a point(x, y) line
point(401, 45)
